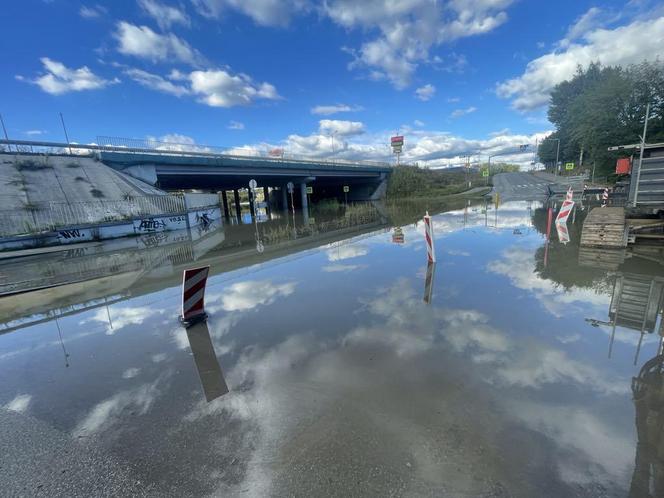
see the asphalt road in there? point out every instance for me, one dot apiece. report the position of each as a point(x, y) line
point(520, 186)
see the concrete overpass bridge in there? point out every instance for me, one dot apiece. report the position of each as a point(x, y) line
point(204, 168)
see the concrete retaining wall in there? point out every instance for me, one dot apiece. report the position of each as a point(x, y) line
point(201, 217)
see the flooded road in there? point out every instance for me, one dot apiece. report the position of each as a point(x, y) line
point(511, 368)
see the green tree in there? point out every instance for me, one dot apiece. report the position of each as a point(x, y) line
point(601, 107)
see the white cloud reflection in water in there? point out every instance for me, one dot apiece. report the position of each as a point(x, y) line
point(303, 376)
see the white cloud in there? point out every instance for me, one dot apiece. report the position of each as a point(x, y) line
point(336, 268)
point(326, 110)
point(107, 412)
point(165, 15)
point(92, 11)
point(419, 123)
point(130, 373)
point(156, 82)
point(623, 45)
point(342, 252)
point(453, 100)
point(142, 42)
point(19, 403)
point(235, 125)
point(33, 133)
point(407, 30)
point(426, 147)
point(214, 87)
point(341, 128)
point(518, 265)
point(122, 316)
point(457, 113)
point(60, 79)
point(247, 295)
point(219, 88)
point(425, 92)
point(404, 32)
point(583, 437)
point(263, 12)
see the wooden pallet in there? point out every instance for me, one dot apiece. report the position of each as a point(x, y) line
point(604, 227)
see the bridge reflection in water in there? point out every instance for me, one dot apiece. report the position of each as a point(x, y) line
point(40, 288)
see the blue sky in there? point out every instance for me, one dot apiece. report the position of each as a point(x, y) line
point(456, 77)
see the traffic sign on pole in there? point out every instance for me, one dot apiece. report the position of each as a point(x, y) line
point(569, 166)
point(252, 184)
point(310, 190)
point(346, 188)
point(290, 187)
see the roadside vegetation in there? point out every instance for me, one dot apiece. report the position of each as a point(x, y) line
point(602, 107)
point(413, 181)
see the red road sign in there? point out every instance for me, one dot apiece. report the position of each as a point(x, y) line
point(398, 140)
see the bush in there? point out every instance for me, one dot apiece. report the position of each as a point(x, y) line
point(413, 181)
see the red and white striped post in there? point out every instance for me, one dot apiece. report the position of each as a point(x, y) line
point(605, 197)
point(428, 235)
point(566, 208)
point(193, 294)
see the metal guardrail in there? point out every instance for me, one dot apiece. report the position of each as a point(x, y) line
point(171, 149)
point(53, 215)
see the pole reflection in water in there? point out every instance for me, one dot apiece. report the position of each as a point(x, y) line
point(428, 282)
point(548, 236)
point(209, 370)
point(648, 395)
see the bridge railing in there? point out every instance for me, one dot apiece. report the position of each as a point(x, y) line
point(274, 155)
point(147, 146)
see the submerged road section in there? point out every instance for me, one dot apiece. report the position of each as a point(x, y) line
point(520, 186)
point(514, 366)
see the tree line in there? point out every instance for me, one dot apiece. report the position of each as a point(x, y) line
point(600, 107)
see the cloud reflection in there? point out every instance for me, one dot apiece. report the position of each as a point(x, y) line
point(20, 403)
point(518, 265)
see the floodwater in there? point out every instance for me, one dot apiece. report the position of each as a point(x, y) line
point(353, 367)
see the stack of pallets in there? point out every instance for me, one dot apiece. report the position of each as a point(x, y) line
point(605, 227)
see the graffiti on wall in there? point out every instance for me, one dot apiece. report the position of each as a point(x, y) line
point(74, 235)
point(151, 225)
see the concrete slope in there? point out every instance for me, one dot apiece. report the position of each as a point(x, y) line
point(34, 180)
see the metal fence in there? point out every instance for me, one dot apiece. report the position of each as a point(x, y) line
point(152, 144)
point(52, 215)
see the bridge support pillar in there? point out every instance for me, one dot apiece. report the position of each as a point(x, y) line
point(224, 201)
point(266, 198)
point(238, 208)
point(284, 198)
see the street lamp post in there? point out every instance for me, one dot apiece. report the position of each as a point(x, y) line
point(555, 170)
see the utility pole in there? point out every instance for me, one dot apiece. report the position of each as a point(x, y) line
point(65, 130)
point(5, 132)
point(643, 146)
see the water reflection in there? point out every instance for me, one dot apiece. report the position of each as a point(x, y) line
point(648, 478)
point(207, 364)
point(346, 374)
